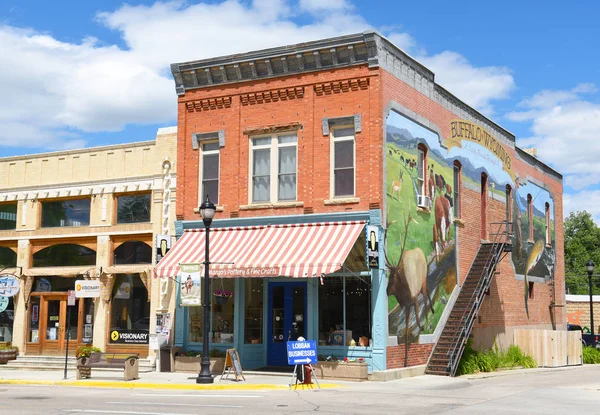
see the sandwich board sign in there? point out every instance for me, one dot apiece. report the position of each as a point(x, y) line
point(302, 352)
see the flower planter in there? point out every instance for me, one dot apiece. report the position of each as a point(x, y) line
point(6, 355)
point(192, 364)
point(342, 370)
point(221, 300)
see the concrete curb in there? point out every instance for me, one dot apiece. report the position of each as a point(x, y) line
point(485, 375)
point(164, 386)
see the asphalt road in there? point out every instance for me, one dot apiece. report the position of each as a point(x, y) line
point(568, 391)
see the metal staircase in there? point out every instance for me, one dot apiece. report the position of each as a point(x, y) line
point(451, 344)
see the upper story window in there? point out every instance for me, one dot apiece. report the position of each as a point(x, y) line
point(73, 212)
point(133, 208)
point(209, 172)
point(132, 252)
point(421, 169)
point(274, 168)
point(64, 255)
point(547, 215)
point(530, 216)
point(509, 207)
point(8, 216)
point(457, 185)
point(344, 162)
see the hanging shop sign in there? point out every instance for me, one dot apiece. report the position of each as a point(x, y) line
point(163, 245)
point(3, 303)
point(9, 285)
point(124, 291)
point(87, 288)
point(190, 291)
point(118, 336)
point(373, 246)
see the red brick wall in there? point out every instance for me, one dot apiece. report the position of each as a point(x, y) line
point(313, 184)
point(504, 307)
point(418, 354)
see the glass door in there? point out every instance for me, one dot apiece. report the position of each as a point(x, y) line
point(287, 319)
point(53, 324)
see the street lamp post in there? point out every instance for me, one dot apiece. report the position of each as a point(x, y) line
point(207, 211)
point(590, 270)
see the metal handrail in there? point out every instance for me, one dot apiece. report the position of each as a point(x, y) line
point(467, 319)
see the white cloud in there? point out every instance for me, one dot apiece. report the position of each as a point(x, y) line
point(565, 128)
point(53, 92)
point(588, 200)
point(477, 86)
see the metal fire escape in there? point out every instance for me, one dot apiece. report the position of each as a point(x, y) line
point(451, 344)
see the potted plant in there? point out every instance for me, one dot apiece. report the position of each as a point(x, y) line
point(82, 354)
point(345, 368)
point(189, 361)
point(222, 296)
point(8, 352)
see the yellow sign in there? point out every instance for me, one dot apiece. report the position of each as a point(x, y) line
point(114, 335)
point(78, 287)
point(465, 130)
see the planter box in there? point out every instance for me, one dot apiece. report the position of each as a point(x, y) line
point(6, 355)
point(342, 370)
point(192, 364)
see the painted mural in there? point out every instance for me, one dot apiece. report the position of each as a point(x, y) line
point(420, 243)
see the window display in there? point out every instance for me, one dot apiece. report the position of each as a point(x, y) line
point(253, 322)
point(130, 309)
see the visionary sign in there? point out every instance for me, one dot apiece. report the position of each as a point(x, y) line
point(118, 336)
point(302, 352)
point(87, 288)
point(124, 291)
point(9, 285)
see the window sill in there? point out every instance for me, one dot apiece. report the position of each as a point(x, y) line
point(219, 209)
point(276, 205)
point(342, 201)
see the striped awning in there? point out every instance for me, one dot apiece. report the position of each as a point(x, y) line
point(300, 250)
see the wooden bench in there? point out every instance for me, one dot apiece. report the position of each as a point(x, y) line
point(129, 362)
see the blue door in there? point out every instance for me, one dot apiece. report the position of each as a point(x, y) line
point(287, 319)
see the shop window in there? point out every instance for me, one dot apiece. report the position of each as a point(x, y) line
point(343, 162)
point(530, 217)
point(547, 216)
point(222, 314)
point(8, 257)
point(133, 252)
point(60, 213)
point(253, 321)
point(344, 312)
point(7, 318)
point(64, 255)
point(421, 169)
point(129, 306)
point(457, 185)
point(54, 283)
point(8, 216)
point(209, 172)
point(274, 168)
point(133, 208)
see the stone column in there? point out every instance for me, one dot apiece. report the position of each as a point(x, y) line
point(101, 307)
point(20, 317)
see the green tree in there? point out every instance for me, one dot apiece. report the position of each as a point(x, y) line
point(582, 243)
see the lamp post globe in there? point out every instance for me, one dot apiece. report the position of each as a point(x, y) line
point(207, 211)
point(590, 269)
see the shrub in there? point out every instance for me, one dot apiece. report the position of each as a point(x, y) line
point(86, 351)
point(192, 353)
point(217, 353)
point(9, 346)
point(591, 355)
point(473, 361)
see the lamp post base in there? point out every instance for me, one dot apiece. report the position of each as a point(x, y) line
point(204, 376)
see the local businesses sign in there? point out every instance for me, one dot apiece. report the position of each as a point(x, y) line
point(302, 352)
point(87, 288)
point(9, 285)
point(129, 336)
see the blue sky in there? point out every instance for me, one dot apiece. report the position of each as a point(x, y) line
point(85, 73)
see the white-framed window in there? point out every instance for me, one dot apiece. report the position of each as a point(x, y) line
point(209, 171)
point(343, 162)
point(273, 164)
point(421, 168)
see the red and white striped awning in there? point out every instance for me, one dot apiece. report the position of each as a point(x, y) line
point(301, 250)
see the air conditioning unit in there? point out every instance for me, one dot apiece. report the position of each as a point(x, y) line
point(424, 201)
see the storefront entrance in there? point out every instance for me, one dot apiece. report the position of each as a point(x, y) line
point(47, 331)
point(287, 319)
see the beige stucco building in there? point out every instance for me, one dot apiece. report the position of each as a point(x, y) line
point(91, 214)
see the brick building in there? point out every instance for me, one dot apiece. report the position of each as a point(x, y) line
point(356, 199)
point(90, 214)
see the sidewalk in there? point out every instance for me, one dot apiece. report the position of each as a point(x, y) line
point(157, 380)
